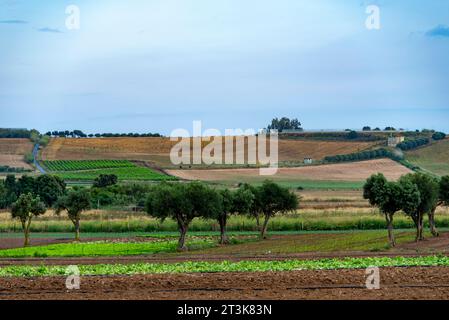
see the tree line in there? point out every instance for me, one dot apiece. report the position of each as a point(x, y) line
point(30, 197)
point(364, 155)
point(415, 195)
point(81, 134)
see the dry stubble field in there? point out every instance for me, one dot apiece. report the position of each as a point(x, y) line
point(12, 152)
point(157, 150)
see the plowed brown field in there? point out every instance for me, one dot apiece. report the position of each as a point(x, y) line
point(355, 171)
point(12, 152)
point(395, 284)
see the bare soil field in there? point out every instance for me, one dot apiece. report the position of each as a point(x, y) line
point(157, 150)
point(12, 152)
point(395, 283)
point(355, 171)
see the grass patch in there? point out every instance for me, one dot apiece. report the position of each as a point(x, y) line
point(433, 158)
point(317, 220)
point(103, 248)
point(226, 266)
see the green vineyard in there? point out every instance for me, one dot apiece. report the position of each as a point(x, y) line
point(88, 170)
point(76, 165)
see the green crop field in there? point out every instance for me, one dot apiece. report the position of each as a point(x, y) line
point(77, 165)
point(225, 266)
point(134, 173)
point(103, 248)
point(88, 170)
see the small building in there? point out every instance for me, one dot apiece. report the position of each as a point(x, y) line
point(308, 160)
point(394, 141)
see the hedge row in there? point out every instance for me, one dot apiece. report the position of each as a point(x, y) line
point(413, 144)
point(364, 155)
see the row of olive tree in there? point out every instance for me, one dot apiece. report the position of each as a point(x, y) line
point(185, 202)
point(29, 206)
point(414, 194)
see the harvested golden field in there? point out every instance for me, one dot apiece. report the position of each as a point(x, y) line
point(157, 150)
point(12, 152)
point(354, 171)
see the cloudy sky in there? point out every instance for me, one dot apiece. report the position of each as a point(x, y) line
point(157, 65)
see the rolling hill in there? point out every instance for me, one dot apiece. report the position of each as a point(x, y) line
point(433, 158)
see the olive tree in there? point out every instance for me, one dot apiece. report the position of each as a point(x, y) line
point(387, 197)
point(232, 202)
point(275, 199)
point(444, 191)
point(74, 203)
point(182, 203)
point(25, 208)
point(427, 187)
point(255, 210)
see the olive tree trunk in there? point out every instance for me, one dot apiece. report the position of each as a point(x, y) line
point(26, 231)
point(182, 238)
point(223, 237)
point(389, 218)
point(418, 220)
point(432, 225)
point(77, 229)
point(263, 233)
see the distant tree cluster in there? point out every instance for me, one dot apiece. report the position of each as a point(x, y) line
point(413, 144)
point(47, 187)
point(14, 133)
point(364, 155)
point(105, 180)
point(80, 134)
point(8, 169)
point(414, 194)
point(284, 124)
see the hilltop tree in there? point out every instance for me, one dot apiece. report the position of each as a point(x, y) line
point(386, 196)
point(75, 202)
point(25, 208)
point(284, 124)
point(275, 199)
point(238, 201)
point(427, 187)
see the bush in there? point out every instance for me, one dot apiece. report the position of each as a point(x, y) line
point(438, 136)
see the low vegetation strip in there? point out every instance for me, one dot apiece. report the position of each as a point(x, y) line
point(304, 222)
point(226, 266)
point(77, 165)
point(133, 173)
point(102, 248)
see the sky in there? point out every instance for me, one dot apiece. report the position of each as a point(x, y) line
point(157, 65)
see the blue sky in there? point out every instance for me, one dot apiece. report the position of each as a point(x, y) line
point(157, 65)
